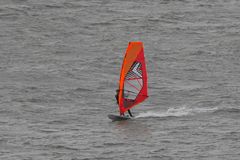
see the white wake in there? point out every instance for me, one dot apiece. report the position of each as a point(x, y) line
point(176, 112)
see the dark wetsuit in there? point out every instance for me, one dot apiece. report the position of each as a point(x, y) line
point(116, 96)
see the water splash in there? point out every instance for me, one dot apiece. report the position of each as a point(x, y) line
point(177, 112)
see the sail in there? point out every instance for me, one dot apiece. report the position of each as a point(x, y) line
point(133, 78)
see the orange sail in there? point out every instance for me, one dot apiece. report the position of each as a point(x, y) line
point(133, 78)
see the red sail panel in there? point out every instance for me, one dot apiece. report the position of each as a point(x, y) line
point(133, 78)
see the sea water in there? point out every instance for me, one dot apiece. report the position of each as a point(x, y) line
point(59, 68)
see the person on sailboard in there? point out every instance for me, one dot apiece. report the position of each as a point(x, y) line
point(116, 96)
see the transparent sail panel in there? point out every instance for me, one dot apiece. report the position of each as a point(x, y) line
point(133, 82)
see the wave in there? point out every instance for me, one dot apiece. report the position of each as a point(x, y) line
point(177, 112)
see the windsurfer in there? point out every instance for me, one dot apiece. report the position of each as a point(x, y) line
point(116, 96)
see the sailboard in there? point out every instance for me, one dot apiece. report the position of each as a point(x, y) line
point(133, 87)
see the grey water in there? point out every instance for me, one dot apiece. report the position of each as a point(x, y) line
point(59, 67)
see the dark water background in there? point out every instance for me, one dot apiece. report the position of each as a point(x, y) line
point(59, 68)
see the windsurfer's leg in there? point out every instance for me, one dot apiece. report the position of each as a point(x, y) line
point(129, 112)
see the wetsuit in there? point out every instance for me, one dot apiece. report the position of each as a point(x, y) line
point(116, 96)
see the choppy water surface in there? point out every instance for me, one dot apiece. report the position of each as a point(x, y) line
point(59, 68)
